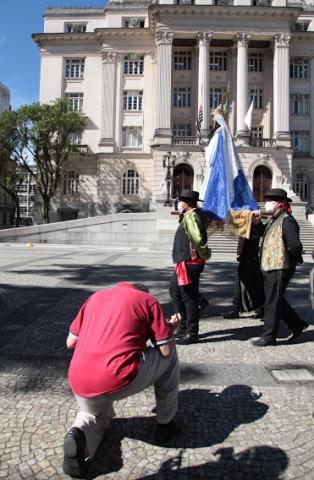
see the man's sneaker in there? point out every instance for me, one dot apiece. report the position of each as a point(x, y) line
point(232, 314)
point(298, 332)
point(164, 432)
point(75, 463)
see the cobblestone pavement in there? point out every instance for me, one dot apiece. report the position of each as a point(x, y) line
point(241, 422)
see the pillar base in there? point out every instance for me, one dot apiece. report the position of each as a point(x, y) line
point(242, 138)
point(283, 139)
point(162, 135)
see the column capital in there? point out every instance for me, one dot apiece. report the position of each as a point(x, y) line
point(204, 38)
point(108, 55)
point(282, 39)
point(163, 37)
point(243, 39)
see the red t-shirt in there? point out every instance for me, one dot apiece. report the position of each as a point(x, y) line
point(113, 327)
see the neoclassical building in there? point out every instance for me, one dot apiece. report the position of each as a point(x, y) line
point(141, 72)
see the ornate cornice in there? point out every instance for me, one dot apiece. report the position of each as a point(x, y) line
point(163, 37)
point(243, 39)
point(204, 38)
point(282, 39)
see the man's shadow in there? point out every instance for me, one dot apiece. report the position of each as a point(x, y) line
point(208, 419)
point(258, 463)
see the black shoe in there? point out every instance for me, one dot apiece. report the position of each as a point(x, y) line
point(262, 342)
point(259, 314)
point(164, 432)
point(187, 339)
point(180, 332)
point(232, 314)
point(74, 448)
point(298, 332)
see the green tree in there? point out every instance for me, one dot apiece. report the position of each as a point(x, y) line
point(10, 177)
point(45, 135)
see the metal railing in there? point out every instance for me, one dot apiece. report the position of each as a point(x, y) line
point(262, 142)
point(79, 149)
point(183, 141)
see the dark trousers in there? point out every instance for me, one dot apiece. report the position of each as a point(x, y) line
point(185, 299)
point(276, 306)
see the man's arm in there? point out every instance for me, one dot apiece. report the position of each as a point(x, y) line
point(192, 227)
point(71, 341)
point(292, 239)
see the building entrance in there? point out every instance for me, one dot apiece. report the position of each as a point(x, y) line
point(262, 180)
point(183, 176)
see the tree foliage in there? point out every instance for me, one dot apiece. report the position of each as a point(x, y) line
point(41, 140)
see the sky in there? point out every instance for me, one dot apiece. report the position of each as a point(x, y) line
point(19, 55)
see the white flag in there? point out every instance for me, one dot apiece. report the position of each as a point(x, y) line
point(249, 115)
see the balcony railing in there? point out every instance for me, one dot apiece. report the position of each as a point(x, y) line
point(79, 149)
point(184, 141)
point(263, 142)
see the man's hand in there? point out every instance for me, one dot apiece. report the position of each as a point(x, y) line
point(256, 218)
point(174, 321)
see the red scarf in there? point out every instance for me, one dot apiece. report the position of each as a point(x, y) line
point(284, 205)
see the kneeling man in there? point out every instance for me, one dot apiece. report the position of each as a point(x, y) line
point(112, 361)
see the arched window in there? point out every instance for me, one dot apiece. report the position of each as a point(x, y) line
point(71, 183)
point(131, 183)
point(301, 186)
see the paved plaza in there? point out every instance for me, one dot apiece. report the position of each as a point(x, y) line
point(247, 410)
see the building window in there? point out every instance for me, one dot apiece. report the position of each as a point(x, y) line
point(133, 65)
point(131, 183)
point(256, 95)
point(255, 62)
point(132, 137)
point(74, 68)
point(133, 22)
point(133, 100)
point(71, 183)
point(215, 96)
point(301, 186)
point(256, 132)
point(185, 2)
point(302, 26)
point(218, 61)
point(300, 141)
point(182, 130)
point(182, 96)
point(299, 104)
point(75, 101)
point(182, 60)
point(299, 67)
point(75, 27)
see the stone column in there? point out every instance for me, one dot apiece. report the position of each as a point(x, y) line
point(242, 87)
point(281, 100)
point(164, 94)
point(108, 98)
point(203, 80)
point(312, 107)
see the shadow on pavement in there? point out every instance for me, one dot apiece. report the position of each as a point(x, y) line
point(208, 419)
point(255, 463)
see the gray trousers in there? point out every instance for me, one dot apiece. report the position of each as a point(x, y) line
point(96, 412)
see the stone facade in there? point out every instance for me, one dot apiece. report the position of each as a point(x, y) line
point(142, 72)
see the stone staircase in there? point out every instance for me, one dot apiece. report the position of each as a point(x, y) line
point(219, 243)
point(307, 235)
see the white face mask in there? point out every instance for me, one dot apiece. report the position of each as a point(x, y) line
point(270, 206)
point(181, 208)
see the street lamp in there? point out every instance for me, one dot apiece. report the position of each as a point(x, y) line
point(168, 162)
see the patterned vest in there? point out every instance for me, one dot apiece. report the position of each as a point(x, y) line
point(274, 255)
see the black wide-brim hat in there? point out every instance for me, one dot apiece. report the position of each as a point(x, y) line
point(189, 195)
point(279, 193)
